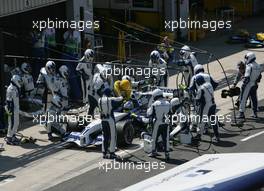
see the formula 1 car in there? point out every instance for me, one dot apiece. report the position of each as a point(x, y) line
point(239, 37)
point(127, 127)
point(92, 133)
point(252, 43)
point(249, 41)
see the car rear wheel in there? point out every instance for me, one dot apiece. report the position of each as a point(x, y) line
point(125, 133)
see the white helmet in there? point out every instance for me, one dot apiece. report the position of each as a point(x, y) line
point(154, 55)
point(185, 51)
point(126, 77)
point(108, 65)
point(175, 102)
point(198, 68)
point(157, 93)
point(64, 72)
point(250, 57)
point(56, 100)
point(103, 74)
point(17, 81)
point(25, 67)
point(50, 67)
point(98, 68)
point(89, 55)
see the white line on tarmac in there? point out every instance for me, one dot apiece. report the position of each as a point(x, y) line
point(252, 136)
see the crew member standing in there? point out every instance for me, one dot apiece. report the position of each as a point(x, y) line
point(98, 84)
point(157, 111)
point(85, 69)
point(190, 62)
point(159, 63)
point(12, 109)
point(107, 104)
point(46, 81)
point(250, 85)
point(206, 100)
point(28, 83)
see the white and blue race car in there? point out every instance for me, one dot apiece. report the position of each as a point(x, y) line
point(126, 126)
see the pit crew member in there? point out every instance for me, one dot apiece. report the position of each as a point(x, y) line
point(85, 69)
point(207, 107)
point(250, 85)
point(107, 104)
point(12, 109)
point(157, 62)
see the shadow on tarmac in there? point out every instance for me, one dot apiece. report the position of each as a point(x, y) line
point(9, 163)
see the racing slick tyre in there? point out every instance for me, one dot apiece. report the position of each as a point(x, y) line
point(125, 133)
point(73, 126)
point(76, 125)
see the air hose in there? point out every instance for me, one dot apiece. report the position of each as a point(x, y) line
point(236, 124)
point(189, 113)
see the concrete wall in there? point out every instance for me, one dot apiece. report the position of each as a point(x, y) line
point(171, 12)
point(184, 8)
point(124, 4)
point(242, 7)
point(10, 7)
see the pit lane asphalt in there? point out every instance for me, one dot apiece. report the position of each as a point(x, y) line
point(113, 180)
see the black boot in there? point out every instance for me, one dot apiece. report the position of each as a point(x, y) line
point(241, 115)
point(197, 137)
point(167, 156)
point(216, 139)
point(15, 139)
point(113, 156)
point(50, 137)
point(254, 115)
point(9, 141)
